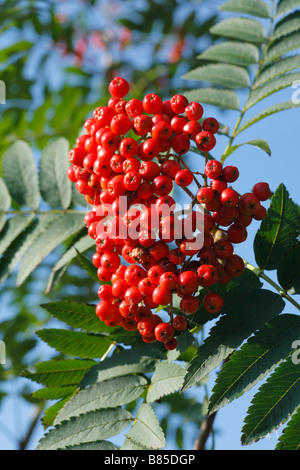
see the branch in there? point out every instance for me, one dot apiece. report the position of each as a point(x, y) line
point(205, 431)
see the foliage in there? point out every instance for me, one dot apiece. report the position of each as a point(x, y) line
point(105, 383)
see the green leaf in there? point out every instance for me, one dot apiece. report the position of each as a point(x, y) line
point(88, 266)
point(63, 227)
point(146, 430)
point(59, 373)
point(22, 244)
point(230, 76)
point(259, 143)
point(274, 403)
point(51, 412)
point(54, 183)
point(5, 202)
point(54, 393)
point(278, 231)
point(20, 175)
point(83, 244)
point(281, 46)
point(287, 25)
point(107, 394)
point(75, 343)
point(269, 88)
point(245, 315)
point(13, 228)
point(90, 427)
point(290, 439)
point(100, 445)
point(232, 52)
point(262, 353)
point(137, 360)
point(288, 272)
point(285, 6)
point(276, 108)
point(277, 69)
point(167, 379)
point(77, 315)
point(249, 7)
point(225, 99)
point(243, 29)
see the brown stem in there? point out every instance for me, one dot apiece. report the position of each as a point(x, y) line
point(24, 442)
point(205, 431)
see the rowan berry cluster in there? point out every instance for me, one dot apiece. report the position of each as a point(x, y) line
point(126, 165)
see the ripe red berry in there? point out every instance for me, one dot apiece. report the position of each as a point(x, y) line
point(189, 304)
point(262, 191)
point(152, 103)
point(164, 332)
point(229, 197)
point(210, 125)
point(171, 344)
point(179, 103)
point(147, 326)
point(205, 141)
point(205, 195)
point(188, 283)
point(249, 204)
point(213, 303)
point(230, 174)
point(213, 169)
point(118, 87)
point(194, 111)
point(184, 178)
point(180, 323)
point(161, 296)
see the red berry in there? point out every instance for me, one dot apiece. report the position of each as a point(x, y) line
point(262, 191)
point(164, 332)
point(179, 103)
point(161, 296)
point(211, 125)
point(213, 169)
point(229, 197)
point(205, 195)
point(171, 344)
point(213, 303)
point(194, 111)
point(180, 323)
point(118, 87)
point(147, 326)
point(208, 275)
point(188, 283)
point(152, 103)
point(230, 174)
point(189, 304)
point(205, 141)
point(249, 204)
point(184, 178)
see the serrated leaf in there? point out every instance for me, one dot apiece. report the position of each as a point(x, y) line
point(277, 69)
point(131, 361)
point(277, 108)
point(59, 373)
point(5, 202)
point(271, 87)
point(63, 227)
point(278, 231)
point(249, 7)
point(85, 243)
point(24, 241)
point(288, 272)
point(232, 52)
point(225, 99)
point(107, 394)
point(13, 227)
point(77, 315)
point(54, 393)
point(167, 379)
point(51, 412)
point(230, 76)
point(287, 25)
point(281, 46)
point(247, 366)
point(20, 175)
point(90, 427)
point(88, 266)
point(285, 6)
point(274, 403)
point(55, 186)
point(259, 143)
point(290, 439)
point(228, 334)
point(243, 29)
point(75, 343)
point(146, 430)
